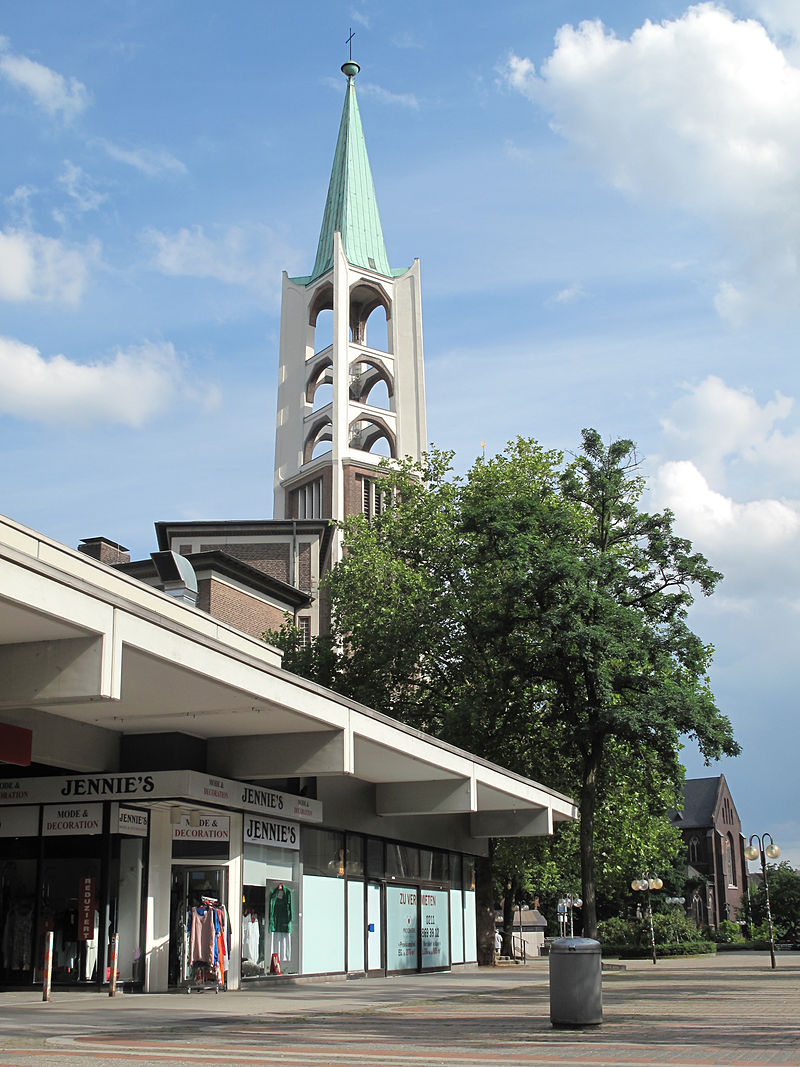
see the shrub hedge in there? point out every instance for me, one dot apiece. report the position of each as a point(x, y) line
point(640, 952)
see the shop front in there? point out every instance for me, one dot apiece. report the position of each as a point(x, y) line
point(209, 881)
point(76, 870)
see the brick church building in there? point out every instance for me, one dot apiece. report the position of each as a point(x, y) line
point(716, 870)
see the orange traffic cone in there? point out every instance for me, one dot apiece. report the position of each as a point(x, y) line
point(275, 965)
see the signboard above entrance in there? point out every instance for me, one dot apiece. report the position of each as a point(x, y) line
point(160, 785)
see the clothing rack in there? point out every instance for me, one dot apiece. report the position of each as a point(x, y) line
point(206, 947)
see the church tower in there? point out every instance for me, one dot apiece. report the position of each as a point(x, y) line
point(351, 389)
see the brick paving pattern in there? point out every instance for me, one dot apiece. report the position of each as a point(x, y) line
point(694, 1013)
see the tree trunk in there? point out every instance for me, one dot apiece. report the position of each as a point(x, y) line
point(484, 906)
point(588, 806)
point(512, 884)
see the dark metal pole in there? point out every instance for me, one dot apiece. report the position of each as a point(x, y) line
point(652, 929)
point(769, 910)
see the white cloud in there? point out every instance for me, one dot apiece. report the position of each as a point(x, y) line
point(716, 522)
point(733, 481)
point(34, 267)
point(406, 39)
point(568, 295)
point(252, 257)
point(781, 16)
point(19, 205)
point(149, 161)
point(52, 92)
point(80, 188)
point(721, 429)
point(699, 112)
point(360, 16)
point(386, 96)
point(130, 388)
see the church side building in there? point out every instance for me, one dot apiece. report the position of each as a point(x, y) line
point(716, 870)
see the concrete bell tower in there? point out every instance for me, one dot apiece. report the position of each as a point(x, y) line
point(351, 387)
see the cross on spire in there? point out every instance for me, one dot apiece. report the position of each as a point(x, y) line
point(349, 42)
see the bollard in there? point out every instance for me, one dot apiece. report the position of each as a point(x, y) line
point(48, 966)
point(112, 988)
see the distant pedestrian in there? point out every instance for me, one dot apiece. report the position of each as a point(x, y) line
point(498, 942)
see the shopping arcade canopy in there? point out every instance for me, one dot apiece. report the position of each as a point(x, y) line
point(88, 654)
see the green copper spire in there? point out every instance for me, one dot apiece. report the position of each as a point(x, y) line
point(351, 207)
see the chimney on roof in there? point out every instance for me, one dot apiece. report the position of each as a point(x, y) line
point(106, 551)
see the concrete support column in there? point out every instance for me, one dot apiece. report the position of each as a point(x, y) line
point(159, 879)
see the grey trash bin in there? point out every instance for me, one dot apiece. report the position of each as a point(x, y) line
point(576, 982)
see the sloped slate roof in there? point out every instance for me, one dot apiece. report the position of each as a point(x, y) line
point(699, 801)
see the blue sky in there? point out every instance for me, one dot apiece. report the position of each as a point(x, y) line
point(606, 204)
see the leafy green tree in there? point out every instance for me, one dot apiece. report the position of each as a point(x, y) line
point(533, 614)
point(784, 898)
point(592, 605)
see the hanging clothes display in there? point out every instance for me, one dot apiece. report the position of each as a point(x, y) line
point(251, 937)
point(209, 942)
point(280, 921)
point(17, 935)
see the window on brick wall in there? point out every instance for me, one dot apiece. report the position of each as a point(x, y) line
point(730, 861)
point(309, 500)
point(372, 499)
point(304, 626)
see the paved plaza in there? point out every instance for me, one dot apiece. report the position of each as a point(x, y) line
point(709, 1011)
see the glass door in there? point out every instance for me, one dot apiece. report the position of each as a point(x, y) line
point(193, 886)
point(374, 928)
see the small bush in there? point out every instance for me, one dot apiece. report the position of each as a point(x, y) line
point(673, 928)
point(728, 933)
point(615, 931)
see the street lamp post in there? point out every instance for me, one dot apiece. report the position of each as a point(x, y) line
point(645, 885)
point(770, 851)
point(565, 908)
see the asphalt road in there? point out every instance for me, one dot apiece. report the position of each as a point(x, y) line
point(705, 1012)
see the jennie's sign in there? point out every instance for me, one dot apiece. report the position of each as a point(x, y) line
point(261, 831)
point(160, 785)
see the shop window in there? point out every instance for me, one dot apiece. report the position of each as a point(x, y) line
point(456, 874)
point(323, 853)
point(324, 863)
point(270, 911)
point(127, 874)
point(469, 874)
point(470, 928)
point(70, 907)
point(402, 861)
point(354, 856)
point(17, 901)
point(376, 865)
point(434, 866)
point(323, 929)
